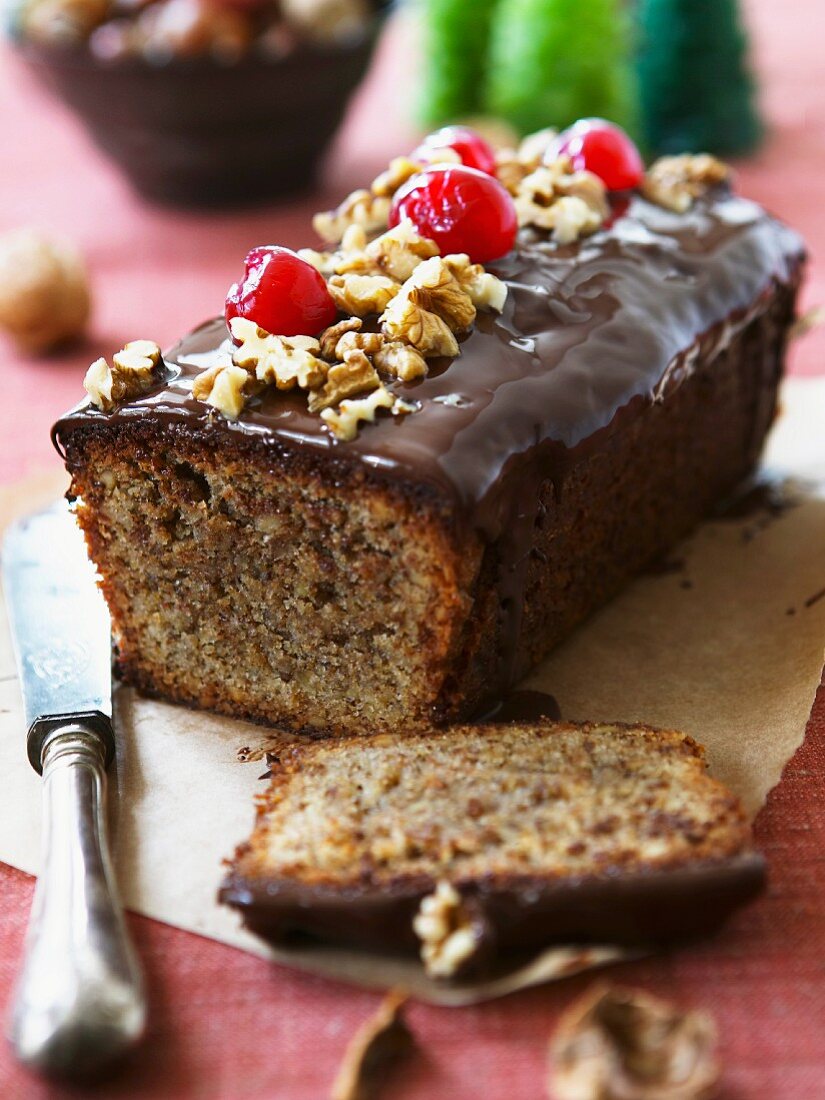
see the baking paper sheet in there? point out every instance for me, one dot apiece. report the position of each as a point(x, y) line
point(725, 642)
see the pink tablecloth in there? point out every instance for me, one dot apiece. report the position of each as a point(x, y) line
point(225, 1024)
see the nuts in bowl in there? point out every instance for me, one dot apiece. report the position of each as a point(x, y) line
point(204, 102)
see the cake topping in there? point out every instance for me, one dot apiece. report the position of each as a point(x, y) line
point(556, 197)
point(282, 293)
point(225, 388)
point(420, 303)
point(134, 370)
point(615, 1043)
point(676, 182)
point(461, 209)
point(348, 325)
point(470, 148)
point(597, 146)
point(448, 935)
point(344, 421)
point(282, 361)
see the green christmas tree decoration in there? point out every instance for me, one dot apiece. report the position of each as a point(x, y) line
point(696, 92)
point(553, 61)
point(456, 42)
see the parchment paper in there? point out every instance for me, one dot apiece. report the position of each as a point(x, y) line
point(725, 643)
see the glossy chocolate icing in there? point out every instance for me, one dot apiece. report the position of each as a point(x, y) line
point(516, 915)
point(591, 334)
point(586, 329)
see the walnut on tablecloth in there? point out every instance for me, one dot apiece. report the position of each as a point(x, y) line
point(44, 290)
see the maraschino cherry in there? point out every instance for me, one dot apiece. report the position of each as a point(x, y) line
point(281, 293)
point(470, 147)
point(461, 209)
point(597, 146)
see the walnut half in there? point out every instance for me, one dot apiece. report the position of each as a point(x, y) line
point(134, 371)
point(616, 1044)
point(448, 936)
point(675, 182)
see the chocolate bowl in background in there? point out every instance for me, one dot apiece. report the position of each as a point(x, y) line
point(196, 131)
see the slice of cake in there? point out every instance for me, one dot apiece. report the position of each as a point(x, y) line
point(390, 521)
point(507, 838)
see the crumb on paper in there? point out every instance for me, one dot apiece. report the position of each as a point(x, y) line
point(616, 1043)
point(381, 1040)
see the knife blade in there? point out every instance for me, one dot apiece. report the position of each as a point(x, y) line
point(58, 617)
point(79, 1002)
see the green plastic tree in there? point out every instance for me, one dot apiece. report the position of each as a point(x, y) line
point(696, 91)
point(553, 61)
point(456, 41)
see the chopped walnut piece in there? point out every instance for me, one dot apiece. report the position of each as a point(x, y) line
point(534, 146)
point(225, 388)
point(618, 1044)
point(434, 287)
point(485, 290)
point(572, 218)
point(354, 239)
point(285, 361)
point(141, 357)
point(400, 250)
point(448, 937)
point(405, 321)
point(401, 361)
point(355, 375)
point(376, 1045)
point(369, 342)
point(674, 182)
point(322, 261)
point(329, 338)
point(343, 421)
point(327, 21)
point(513, 165)
point(361, 208)
point(360, 295)
point(542, 200)
point(400, 170)
point(133, 372)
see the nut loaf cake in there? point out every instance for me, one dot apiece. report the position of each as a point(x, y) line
point(258, 566)
point(518, 835)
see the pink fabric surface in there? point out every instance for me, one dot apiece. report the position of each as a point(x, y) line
point(224, 1024)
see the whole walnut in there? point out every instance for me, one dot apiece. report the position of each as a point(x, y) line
point(61, 22)
point(44, 290)
point(191, 28)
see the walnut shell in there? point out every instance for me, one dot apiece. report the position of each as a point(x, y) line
point(44, 290)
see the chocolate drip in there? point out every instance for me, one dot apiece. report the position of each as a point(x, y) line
point(591, 334)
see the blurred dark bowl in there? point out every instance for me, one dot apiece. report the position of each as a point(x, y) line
point(196, 132)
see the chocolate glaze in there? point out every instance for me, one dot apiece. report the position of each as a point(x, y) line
point(517, 914)
point(591, 334)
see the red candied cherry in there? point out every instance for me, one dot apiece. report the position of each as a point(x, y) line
point(471, 148)
point(281, 293)
point(597, 146)
point(459, 208)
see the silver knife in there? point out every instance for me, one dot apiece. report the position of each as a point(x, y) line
point(79, 1001)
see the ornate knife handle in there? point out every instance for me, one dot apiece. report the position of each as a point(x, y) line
point(79, 1001)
